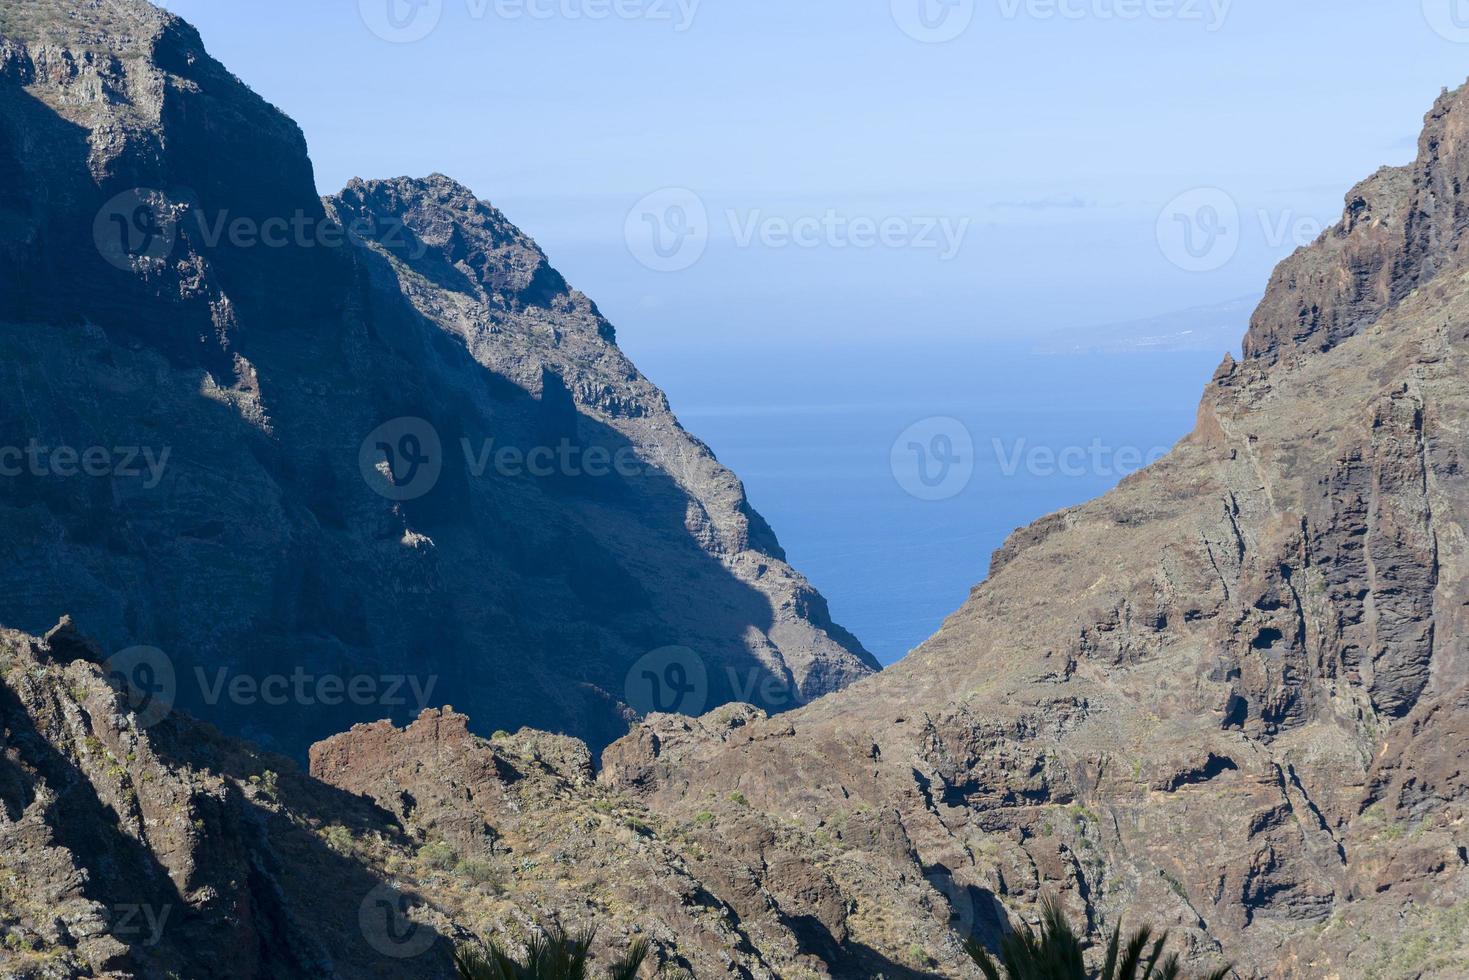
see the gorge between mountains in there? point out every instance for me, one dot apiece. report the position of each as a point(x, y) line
point(1229, 698)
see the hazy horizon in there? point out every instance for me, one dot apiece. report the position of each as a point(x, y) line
point(1057, 134)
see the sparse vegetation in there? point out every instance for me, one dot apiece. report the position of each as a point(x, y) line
point(340, 839)
point(438, 856)
point(1057, 954)
point(268, 783)
point(480, 872)
point(554, 956)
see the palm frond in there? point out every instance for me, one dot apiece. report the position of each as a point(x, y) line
point(1109, 972)
point(632, 961)
point(982, 959)
point(1153, 959)
point(491, 964)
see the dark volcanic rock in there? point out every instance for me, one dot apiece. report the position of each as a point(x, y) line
point(298, 435)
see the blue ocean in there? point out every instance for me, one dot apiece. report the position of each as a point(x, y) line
point(892, 475)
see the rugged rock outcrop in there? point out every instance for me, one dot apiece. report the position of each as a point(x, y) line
point(1402, 227)
point(1230, 697)
point(171, 850)
point(134, 847)
point(1227, 698)
point(374, 440)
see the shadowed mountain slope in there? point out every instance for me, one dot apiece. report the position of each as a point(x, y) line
point(375, 440)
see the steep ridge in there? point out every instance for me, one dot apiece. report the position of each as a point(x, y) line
point(1227, 698)
point(1402, 227)
point(373, 444)
point(135, 846)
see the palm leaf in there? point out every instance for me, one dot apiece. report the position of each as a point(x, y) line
point(627, 968)
point(1109, 972)
point(1127, 969)
point(1153, 959)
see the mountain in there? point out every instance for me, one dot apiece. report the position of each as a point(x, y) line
point(1230, 698)
point(172, 850)
point(333, 460)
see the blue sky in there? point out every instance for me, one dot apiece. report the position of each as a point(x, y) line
point(1055, 130)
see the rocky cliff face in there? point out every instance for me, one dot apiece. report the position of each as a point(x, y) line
point(130, 849)
point(1227, 698)
point(1231, 697)
point(300, 445)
